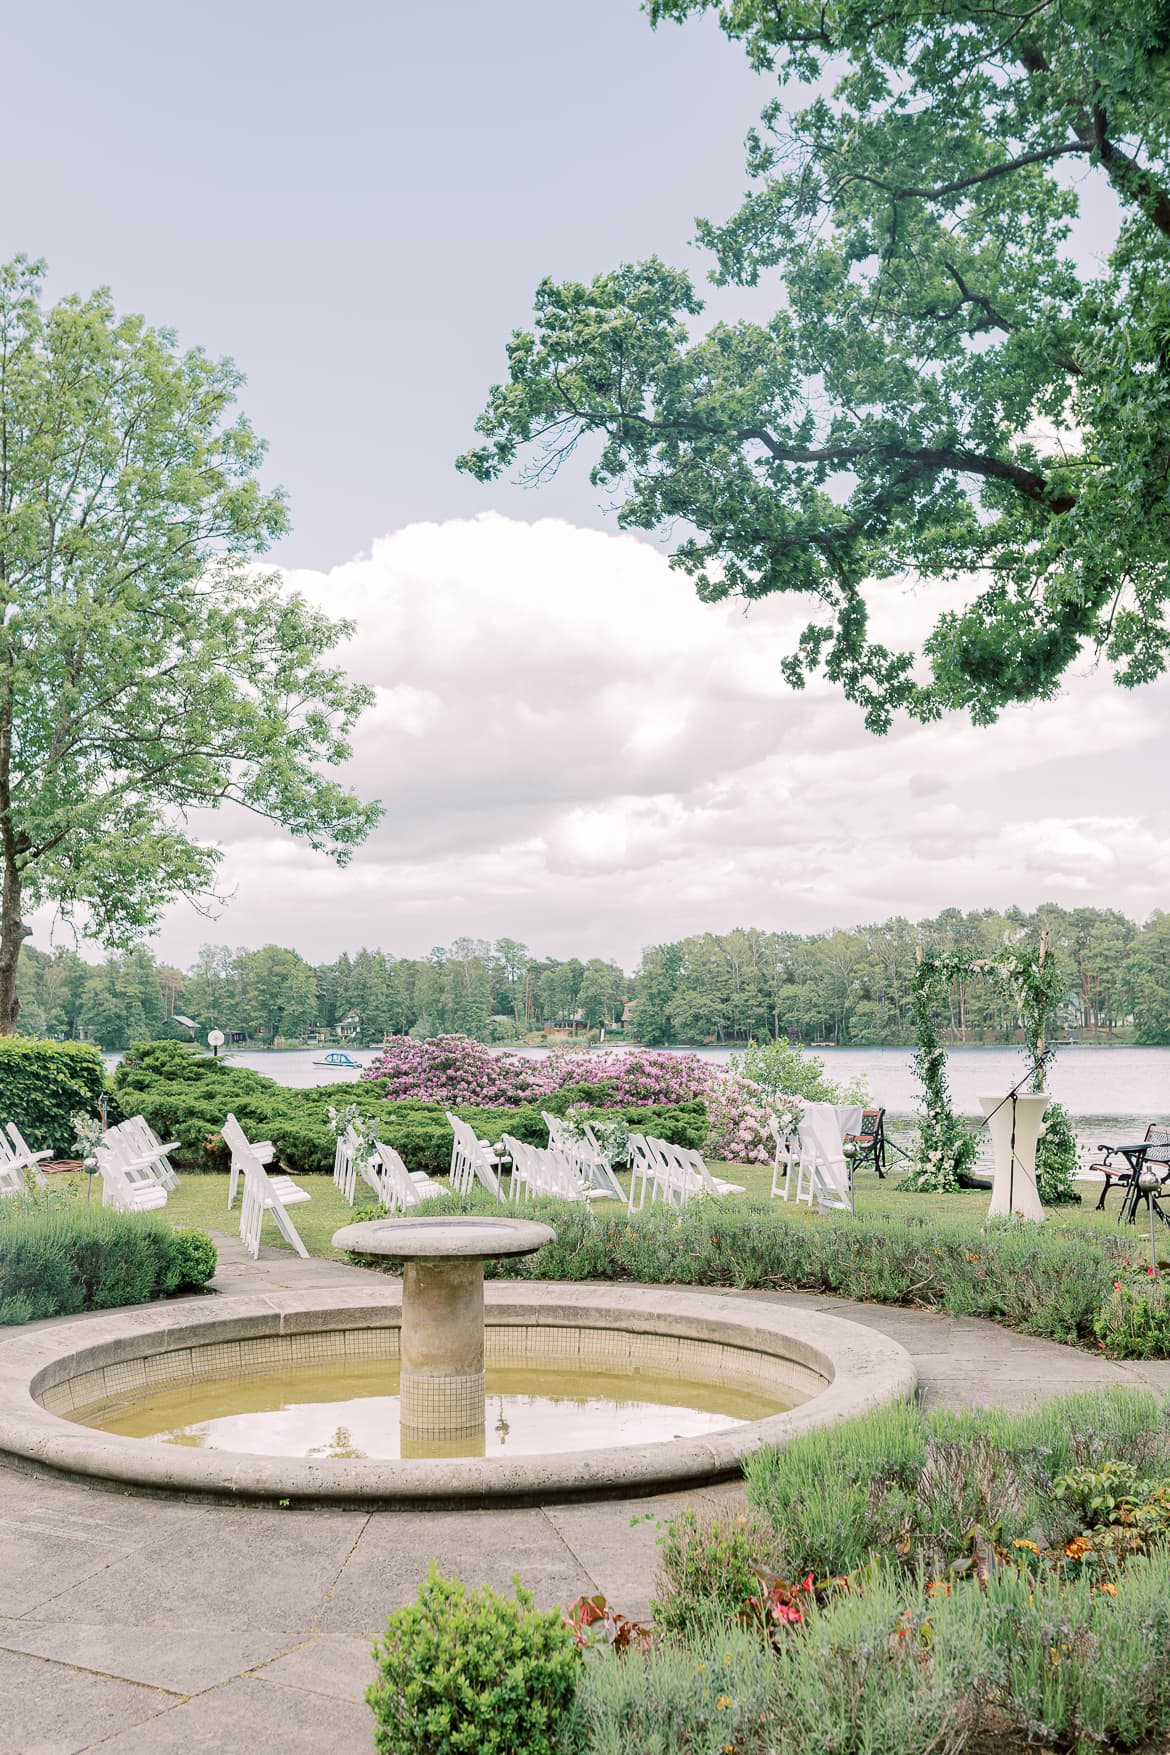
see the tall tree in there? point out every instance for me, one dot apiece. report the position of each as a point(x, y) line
point(943, 390)
point(146, 669)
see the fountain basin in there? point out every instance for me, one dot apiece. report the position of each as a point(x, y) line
point(51, 1376)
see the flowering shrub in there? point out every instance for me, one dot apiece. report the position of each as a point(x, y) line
point(737, 1122)
point(454, 1069)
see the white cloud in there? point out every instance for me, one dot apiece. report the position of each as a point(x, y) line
point(574, 750)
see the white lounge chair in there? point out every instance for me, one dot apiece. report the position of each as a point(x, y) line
point(261, 1193)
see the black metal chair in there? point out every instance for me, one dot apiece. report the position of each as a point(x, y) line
point(1157, 1152)
point(870, 1141)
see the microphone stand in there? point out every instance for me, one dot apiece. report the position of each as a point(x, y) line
point(1037, 1067)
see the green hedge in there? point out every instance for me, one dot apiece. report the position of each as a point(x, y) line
point(57, 1260)
point(185, 1097)
point(1036, 1279)
point(42, 1084)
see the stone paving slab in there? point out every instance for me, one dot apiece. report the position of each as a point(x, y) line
point(52, 1709)
point(339, 1667)
point(264, 1616)
point(185, 1662)
point(237, 1569)
point(248, 1717)
point(387, 1566)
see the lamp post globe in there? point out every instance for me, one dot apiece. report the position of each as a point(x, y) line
point(215, 1041)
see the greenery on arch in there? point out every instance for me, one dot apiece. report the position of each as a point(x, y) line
point(946, 1146)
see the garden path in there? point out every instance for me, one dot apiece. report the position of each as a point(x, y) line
point(140, 1626)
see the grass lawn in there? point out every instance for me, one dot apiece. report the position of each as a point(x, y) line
point(202, 1201)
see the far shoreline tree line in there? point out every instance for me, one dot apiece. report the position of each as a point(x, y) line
point(841, 988)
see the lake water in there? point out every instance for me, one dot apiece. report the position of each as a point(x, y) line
point(1094, 1084)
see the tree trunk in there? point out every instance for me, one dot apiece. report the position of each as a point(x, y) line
point(13, 933)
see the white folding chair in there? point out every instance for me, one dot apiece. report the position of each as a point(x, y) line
point(787, 1150)
point(143, 1143)
point(823, 1174)
point(472, 1160)
point(239, 1145)
point(18, 1163)
point(261, 1194)
point(128, 1185)
point(715, 1185)
point(344, 1164)
point(648, 1170)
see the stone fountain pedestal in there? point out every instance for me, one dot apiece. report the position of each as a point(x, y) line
point(441, 1346)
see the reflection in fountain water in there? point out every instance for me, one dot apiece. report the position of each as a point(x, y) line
point(337, 1410)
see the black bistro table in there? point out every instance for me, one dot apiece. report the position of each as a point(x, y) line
point(1135, 1153)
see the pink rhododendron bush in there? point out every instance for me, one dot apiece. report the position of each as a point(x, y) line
point(737, 1122)
point(461, 1073)
point(456, 1070)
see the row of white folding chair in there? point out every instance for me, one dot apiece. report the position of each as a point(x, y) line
point(129, 1182)
point(674, 1173)
point(262, 1193)
point(472, 1160)
point(142, 1144)
point(539, 1170)
point(385, 1174)
point(591, 1162)
point(18, 1163)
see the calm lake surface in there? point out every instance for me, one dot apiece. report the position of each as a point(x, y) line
point(1106, 1084)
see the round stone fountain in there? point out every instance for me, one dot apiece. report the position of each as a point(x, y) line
point(442, 1335)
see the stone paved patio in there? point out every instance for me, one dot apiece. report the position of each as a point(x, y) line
point(144, 1626)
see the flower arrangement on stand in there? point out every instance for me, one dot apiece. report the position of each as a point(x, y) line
point(610, 1132)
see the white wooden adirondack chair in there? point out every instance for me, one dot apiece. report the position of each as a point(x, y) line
point(18, 1163)
point(128, 1184)
point(261, 1195)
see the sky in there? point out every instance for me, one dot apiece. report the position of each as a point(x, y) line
point(356, 203)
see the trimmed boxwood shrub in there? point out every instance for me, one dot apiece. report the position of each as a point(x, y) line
point(43, 1084)
point(185, 1097)
point(472, 1673)
point(57, 1260)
